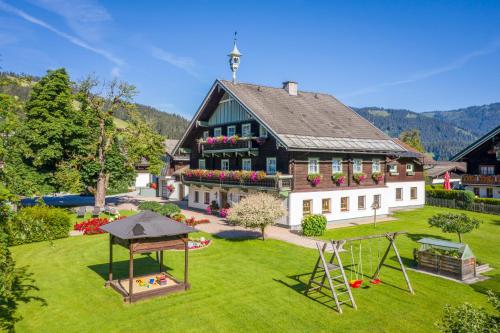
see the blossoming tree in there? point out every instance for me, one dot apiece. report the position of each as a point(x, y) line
point(257, 211)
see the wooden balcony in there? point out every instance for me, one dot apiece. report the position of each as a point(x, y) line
point(280, 183)
point(243, 146)
point(481, 179)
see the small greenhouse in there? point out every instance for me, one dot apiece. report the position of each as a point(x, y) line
point(446, 258)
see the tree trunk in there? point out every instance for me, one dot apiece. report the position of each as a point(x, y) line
point(100, 192)
point(262, 232)
point(459, 238)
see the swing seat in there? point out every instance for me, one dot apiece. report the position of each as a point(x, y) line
point(355, 283)
point(376, 281)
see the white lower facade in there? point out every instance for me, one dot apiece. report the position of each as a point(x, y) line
point(200, 197)
point(484, 191)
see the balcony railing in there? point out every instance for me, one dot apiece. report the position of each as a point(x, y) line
point(481, 179)
point(270, 182)
point(230, 144)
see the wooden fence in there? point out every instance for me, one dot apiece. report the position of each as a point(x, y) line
point(452, 203)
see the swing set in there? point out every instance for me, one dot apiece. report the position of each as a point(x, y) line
point(324, 268)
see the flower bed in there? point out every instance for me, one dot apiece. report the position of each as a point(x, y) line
point(193, 222)
point(93, 225)
point(198, 243)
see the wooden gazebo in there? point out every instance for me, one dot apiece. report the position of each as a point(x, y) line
point(142, 233)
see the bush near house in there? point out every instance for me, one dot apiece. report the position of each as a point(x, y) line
point(488, 201)
point(37, 224)
point(314, 225)
point(169, 209)
point(467, 197)
point(153, 206)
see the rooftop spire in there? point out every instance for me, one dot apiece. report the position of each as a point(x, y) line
point(234, 58)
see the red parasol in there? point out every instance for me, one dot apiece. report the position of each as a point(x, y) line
point(446, 184)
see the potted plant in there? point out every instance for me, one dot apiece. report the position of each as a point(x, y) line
point(314, 178)
point(338, 178)
point(359, 177)
point(377, 177)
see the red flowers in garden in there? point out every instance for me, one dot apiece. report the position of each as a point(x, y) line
point(93, 226)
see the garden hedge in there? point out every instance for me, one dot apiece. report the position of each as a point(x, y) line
point(314, 225)
point(488, 201)
point(37, 224)
point(153, 206)
point(467, 197)
point(169, 209)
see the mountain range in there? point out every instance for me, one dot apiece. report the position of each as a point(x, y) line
point(443, 133)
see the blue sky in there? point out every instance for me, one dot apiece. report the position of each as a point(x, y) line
point(416, 55)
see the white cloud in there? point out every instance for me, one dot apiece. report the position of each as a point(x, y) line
point(84, 17)
point(72, 39)
point(185, 63)
point(454, 65)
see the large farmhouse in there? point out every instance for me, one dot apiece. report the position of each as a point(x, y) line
point(317, 154)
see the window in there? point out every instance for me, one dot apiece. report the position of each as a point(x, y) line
point(476, 191)
point(361, 202)
point(336, 165)
point(224, 164)
point(306, 207)
point(207, 198)
point(313, 166)
point(326, 206)
point(271, 165)
point(399, 193)
point(487, 169)
point(344, 204)
point(196, 196)
point(262, 132)
point(357, 166)
point(489, 192)
point(246, 130)
point(202, 164)
point(393, 169)
point(217, 131)
point(409, 168)
point(375, 165)
point(205, 135)
point(246, 164)
point(231, 130)
point(413, 193)
point(376, 201)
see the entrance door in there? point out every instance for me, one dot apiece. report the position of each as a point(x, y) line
point(223, 199)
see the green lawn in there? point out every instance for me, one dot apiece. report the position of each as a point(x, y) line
point(237, 286)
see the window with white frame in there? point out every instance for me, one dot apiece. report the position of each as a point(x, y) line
point(409, 168)
point(246, 130)
point(313, 165)
point(413, 193)
point(487, 169)
point(399, 193)
point(224, 164)
point(246, 164)
point(336, 165)
point(206, 198)
point(202, 163)
point(205, 135)
point(357, 166)
point(393, 169)
point(231, 130)
point(271, 165)
point(262, 132)
point(217, 131)
point(375, 165)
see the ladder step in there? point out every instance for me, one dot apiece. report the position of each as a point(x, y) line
point(331, 267)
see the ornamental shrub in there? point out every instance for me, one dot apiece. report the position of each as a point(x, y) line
point(169, 209)
point(153, 206)
point(314, 225)
point(464, 197)
point(39, 223)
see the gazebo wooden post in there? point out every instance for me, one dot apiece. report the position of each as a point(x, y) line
point(131, 275)
point(110, 270)
point(161, 261)
point(186, 262)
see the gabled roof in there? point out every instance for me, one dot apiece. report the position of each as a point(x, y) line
point(308, 121)
point(440, 167)
point(488, 136)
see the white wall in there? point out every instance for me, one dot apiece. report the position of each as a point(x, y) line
point(387, 194)
point(482, 190)
point(142, 179)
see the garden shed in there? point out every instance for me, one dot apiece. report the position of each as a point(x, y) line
point(446, 258)
point(143, 233)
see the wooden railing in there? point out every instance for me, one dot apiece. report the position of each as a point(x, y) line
point(240, 144)
point(277, 182)
point(481, 179)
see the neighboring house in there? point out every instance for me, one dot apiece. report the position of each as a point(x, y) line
point(289, 136)
point(483, 165)
point(435, 172)
point(170, 176)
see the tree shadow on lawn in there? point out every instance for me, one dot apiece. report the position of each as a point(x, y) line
point(23, 284)
point(142, 266)
point(417, 237)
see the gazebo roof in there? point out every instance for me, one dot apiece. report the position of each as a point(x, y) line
point(146, 224)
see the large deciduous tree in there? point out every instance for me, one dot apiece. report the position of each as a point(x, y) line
point(454, 223)
point(257, 211)
point(412, 138)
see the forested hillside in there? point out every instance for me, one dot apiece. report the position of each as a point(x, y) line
point(169, 125)
point(444, 133)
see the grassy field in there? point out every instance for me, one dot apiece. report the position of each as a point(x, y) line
point(246, 285)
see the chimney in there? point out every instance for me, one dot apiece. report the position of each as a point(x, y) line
point(291, 87)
